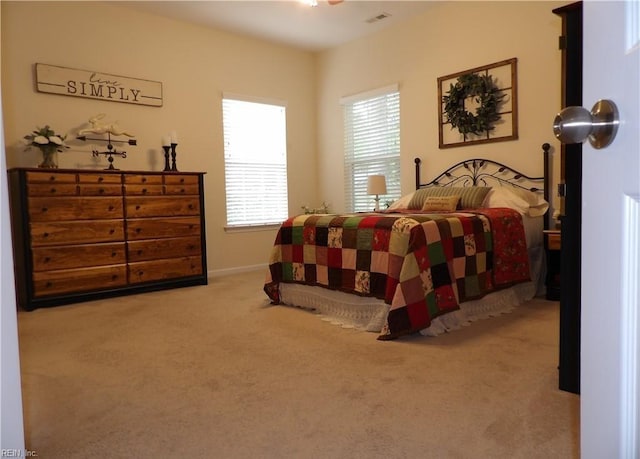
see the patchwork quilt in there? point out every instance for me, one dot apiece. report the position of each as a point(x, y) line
point(422, 264)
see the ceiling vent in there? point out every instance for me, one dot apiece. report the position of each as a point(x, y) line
point(377, 17)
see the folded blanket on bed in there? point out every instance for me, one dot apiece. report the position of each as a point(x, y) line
point(422, 264)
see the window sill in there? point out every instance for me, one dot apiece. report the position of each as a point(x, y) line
point(251, 228)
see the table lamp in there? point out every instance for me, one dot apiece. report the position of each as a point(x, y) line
point(376, 184)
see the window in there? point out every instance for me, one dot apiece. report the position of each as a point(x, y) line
point(255, 162)
point(372, 146)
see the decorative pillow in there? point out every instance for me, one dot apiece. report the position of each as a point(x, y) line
point(471, 197)
point(441, 203)
point(524, 201)
point(403, 202)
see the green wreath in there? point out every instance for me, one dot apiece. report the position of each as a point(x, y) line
point(485, 92)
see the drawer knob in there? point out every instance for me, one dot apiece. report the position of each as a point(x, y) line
point(191, 206)
point(138, 230)
point(100, 179)
point(110, 208)
point(140, 252)
point(45, 235)
point(114, 277)
point(52, 178)
point(47, 259)
point(101, 191)
point(44, 209)
point(144, 179)
point(53, 190)
point(114, 253)
point(137, 207)
point(111, 231)
point(144, 191)
point(48, 284)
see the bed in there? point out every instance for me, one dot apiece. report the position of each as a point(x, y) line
point(464, 246)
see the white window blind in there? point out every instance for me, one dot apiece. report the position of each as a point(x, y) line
point(372, 146)
point(255, 162)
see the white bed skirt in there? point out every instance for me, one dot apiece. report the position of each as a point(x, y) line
point(364, 313)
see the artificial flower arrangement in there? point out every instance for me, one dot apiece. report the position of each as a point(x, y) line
point(323, 209)
point(48, 142)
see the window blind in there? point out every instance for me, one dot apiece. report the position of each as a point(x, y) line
point(255, 162)
point(372, 146)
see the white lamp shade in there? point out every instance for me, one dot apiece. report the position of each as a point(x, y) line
point(376, 184)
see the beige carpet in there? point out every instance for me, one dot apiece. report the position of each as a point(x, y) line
point(216, 372)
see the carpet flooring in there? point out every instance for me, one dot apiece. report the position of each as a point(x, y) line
point(216, 372)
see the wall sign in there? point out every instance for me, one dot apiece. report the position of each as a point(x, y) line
point(96, 85)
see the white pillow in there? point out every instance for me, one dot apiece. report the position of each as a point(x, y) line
point(524, 201)
point(403, 202)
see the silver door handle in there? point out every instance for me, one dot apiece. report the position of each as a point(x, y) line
point(577, 124)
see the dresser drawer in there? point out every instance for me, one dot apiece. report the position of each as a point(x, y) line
point(553, 241)
point(162, 227)
point(50, 177)
point(52, 189)
point(182, 190)
point(178, 179)
point(90, 189)
point(137, 207)
point(79, 280)
point(144, 190)
point(154, 249)
point(80, 208)
point(142, 179)
point(78, 256)
point(145, 271)
point(100, 178)
point(76, 232)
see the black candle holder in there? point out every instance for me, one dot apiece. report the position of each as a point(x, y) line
point(173, 157)
point(166, 149)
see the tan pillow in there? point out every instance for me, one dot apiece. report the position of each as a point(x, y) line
point(440, 203)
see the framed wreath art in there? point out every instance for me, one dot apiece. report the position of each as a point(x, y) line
point(478, 105)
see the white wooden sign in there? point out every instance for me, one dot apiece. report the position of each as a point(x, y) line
point(96, 85)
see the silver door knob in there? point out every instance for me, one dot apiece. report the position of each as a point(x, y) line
point(577, 124)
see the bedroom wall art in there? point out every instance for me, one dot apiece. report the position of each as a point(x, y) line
point(95, 85)
point(478, 105)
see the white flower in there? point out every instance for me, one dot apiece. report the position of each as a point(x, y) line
point(45, 139)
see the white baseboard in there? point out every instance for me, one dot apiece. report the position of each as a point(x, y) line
point(212, 274)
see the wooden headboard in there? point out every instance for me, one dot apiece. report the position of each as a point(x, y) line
point(487, 172)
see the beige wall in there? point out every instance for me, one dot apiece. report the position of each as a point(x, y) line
point(194, 64)
point(449, 38)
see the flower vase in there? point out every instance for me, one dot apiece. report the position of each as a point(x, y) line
point(49, 158)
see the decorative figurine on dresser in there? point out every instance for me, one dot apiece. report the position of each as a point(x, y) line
point(84, 234)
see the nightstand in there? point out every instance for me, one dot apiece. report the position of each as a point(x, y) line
point(552, 241)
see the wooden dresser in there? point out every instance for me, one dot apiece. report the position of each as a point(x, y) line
point(83, 235)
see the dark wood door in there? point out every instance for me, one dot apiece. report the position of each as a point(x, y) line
point(571, 190)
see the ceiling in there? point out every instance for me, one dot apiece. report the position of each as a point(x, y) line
point(290, 22)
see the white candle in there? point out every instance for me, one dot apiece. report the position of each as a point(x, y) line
point(174, 137)
point(166, 141)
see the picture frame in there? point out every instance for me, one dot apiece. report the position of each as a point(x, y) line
point(503, 76)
